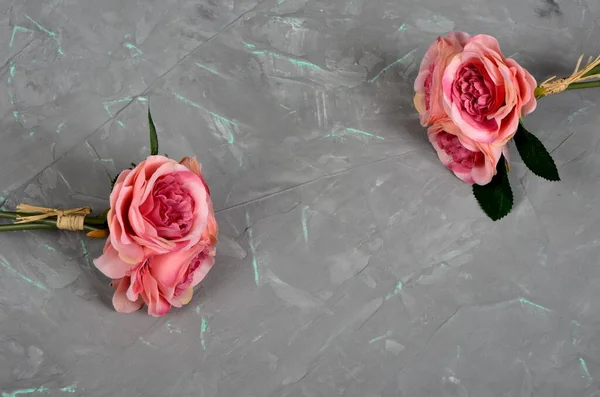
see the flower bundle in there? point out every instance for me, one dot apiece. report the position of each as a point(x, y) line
point(473, 100)
point(160, 228)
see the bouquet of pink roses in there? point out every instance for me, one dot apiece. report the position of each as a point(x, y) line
point(160, 226)
point(473, 99)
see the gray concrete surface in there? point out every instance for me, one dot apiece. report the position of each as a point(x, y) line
point(376, 273)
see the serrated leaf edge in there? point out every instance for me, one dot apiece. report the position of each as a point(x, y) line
point(512, 199)
point(549, 154)
point(512, 196)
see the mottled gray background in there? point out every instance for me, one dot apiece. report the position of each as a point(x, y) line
point(350, 262)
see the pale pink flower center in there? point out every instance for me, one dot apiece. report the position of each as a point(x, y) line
point(474, 92)
point(461, 155)
point(189, 275)
point(173, 207)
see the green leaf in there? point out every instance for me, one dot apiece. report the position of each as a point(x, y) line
point(534, 155)
point(113, 181)
point(495, 198)
point(153, 136)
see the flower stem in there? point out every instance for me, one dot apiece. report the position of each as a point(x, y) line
point(26, 226)
point(42, 224)
point(99, 220)
point(541, 92)
point(584, 84)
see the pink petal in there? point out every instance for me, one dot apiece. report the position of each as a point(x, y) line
point(432, 133)
point(202, 270)
point(488, 42)
point(120, 208)
point(483, 174)
point(165, 168)
point(201, 210)
point(527, 85)
point(466, 141)
point(492, 70)
point(465, 176)
point(153, 163)
point(136, 286)
point(211, 231)
point(110, 264)
point(448, 80)
point(460, 38)
point(116, 191)
point(485, 132)
point(169, 269)
point(192, 164)
point(120, 301)
point(128, 250)
point(157, 304)
point(508, 128)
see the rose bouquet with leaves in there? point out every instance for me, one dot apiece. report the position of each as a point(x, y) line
point(160, 228)
point(474, 100)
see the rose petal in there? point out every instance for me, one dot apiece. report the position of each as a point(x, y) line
point(168, 269)
point(207, 263)
point(192, 164)
point(120, 301)
point(483, 175)
point(470, 161)
point(157, 304)
point(211, 231)
point(128, 250)
point(110, 264)
point(136, 286)
point(488, 42)
point(428, 98)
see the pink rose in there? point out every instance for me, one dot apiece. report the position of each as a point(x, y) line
point(160, 206)
point(163, 281)
point(486, 94)
point(173, 235)
point(428, 85)
point(471, 161)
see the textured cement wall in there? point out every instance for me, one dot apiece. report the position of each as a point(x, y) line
point(350, 262)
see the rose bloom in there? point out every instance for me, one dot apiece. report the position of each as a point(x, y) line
point(485, 94)
point(162, 234)
point(429, 100)
point(163, 281)
point(470, 161)
point(158, 207)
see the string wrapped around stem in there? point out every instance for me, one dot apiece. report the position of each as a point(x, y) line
point(71, 219)
point(557, 85)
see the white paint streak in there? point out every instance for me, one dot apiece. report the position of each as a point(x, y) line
point(291, 295)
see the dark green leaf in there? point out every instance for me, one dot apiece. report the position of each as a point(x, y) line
point(153, 136)
point(113, 181)
point(495, 198)
point(534, 155)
